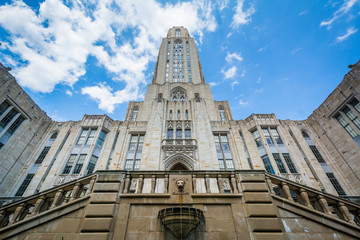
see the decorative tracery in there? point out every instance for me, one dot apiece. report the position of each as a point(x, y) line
point(178, 94)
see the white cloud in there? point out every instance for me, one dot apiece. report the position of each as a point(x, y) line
point(243, 103)
point(229, 35)
point(259, 90)
point(241, 15)
point(303, 12)
point(261, 49)
point(230, 73)
point(106, 98)
point(243, 74)
point(295, 51)
point(231, 56)
point(213, 84)
point(349, 32)
point(55, 41)
point(258, 80)
point(345, 8)
point(68, 92)
point(234, 83)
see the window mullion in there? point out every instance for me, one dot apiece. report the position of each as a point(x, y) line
point(222, 151)
point(135, 153)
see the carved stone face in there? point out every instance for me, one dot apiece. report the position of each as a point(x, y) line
point(180, 185)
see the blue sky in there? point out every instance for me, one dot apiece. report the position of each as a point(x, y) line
point(92, 57)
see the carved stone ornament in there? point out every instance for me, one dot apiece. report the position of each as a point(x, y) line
point(226, 184)
point(180, 186)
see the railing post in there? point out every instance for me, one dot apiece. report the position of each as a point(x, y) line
point(220, 184)
point(207, 183)
point(140, 184)
point(3, 218)
point(166, 184)
point(305, 197)
point(153, 181)
point(238, 182)
point(233, 183)
point(92, 183)
point(323, 203)
point(269, 182)
point(74, 192)
point(286, 190)
point(39, 203)
point(17, 213)
point(57, 198)
point(345, 212)
point(127, 182)
point(194, 183)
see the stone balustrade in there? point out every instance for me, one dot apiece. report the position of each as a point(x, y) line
point(198, 182)
point(34, 205)
point(313, 199)
point(179, 143)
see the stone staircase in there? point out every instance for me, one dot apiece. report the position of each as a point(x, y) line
point(249, 205)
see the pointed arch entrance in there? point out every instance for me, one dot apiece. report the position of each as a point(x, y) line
point(179, 161)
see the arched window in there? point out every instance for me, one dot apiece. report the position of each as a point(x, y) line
point(222, 113)
point(134, 113)
point(178, 94)
point(54, 136)
point(177, 33)
point(305, 135)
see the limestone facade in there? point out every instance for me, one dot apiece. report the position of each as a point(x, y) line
point(179, 105)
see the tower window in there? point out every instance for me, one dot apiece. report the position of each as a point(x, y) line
point(134, 113)
point(186, 114)
point(187, 134)
point(279, 163)
point(276, 136)
point(267, 135)
point(336, 184)
point(8, 115)
point(178, 114)
point(69, 164)
point(267, 164)
point(170, 114)
point(79, 164)
point(222, 113)
point(289, 163)
point(223, 152)
point(42, 155)
point(345, 124)
point(177, 33)
point(133, 156)
point(178, 134)
point(257, 139)
point(24, 185)
point(91, 165)
point(170, 134)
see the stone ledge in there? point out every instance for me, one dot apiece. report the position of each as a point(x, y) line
point(107, 187)
point(145, 195)
point(103, 198)
point(268, 236)
point(96, 225)
point(254, 187)
point(93, 236)
point(212, 195)
point(253, 197)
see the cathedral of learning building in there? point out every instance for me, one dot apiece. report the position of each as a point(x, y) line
point(179, 166)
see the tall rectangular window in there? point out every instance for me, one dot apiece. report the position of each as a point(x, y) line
point(91, 137)
point(3, 107)
point(276, 135)
point(79, 164)
point(82, 137)
point(355, 103)
point(170, 134)
point(223, 152)
point(178, 133)
point(267, 136)
point(317, 153)
point(134, 152)
point(279, 163)
point(15, 125)
point(8, 117)
point(91, 165)
point(289, 163)
point(256, 137)
point(69, 164)
point(347, 126)
point(352, 116)
point(267, 164)
point(24, 185)
point(187, 134)
point(101, 139)
point(336, 184)
point(42, 155)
